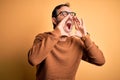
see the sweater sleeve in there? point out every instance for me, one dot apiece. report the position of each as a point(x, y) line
point(42, 45)
point(92, 53)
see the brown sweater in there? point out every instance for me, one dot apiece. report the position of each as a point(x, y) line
point(59, 60)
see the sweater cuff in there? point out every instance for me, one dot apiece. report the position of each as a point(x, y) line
point(87, 41)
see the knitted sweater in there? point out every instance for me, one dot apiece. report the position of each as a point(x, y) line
point(59, 60)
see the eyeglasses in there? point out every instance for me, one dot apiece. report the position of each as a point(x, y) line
point(65, 13)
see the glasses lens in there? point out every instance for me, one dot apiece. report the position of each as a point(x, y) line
point(65, 13)
point(72, 13)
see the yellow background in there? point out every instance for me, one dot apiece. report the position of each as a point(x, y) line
point(21, 20)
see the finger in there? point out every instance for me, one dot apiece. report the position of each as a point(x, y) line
point(76, 26)
point(79, 24)
point(62, 23)
point(82, 26)
point(75, 23)
point(66, 18)
point(81, 20)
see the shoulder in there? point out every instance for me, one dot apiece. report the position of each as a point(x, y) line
point(43, 35)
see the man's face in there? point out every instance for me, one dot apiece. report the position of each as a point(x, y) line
point(61, 14)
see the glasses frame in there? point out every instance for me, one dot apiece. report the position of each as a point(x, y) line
point(63, 13)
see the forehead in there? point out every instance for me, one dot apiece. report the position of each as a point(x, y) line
point(64, 8)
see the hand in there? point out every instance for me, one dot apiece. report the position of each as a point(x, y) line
point(62, 24)
point(80, 28)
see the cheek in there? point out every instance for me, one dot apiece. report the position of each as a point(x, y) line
point(59, 19)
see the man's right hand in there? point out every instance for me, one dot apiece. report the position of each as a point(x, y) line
point(61, 25)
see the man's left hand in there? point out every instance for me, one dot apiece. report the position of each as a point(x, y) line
point(80, 28)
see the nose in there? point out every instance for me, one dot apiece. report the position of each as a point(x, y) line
point(70, 18)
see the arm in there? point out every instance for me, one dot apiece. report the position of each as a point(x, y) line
point(42, 46)
point(91, 52)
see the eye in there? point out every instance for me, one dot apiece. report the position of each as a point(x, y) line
point(72, 13)
point(65, 13)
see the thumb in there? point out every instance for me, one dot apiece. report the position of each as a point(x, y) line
point(66, 18)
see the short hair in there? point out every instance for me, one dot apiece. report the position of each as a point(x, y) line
point(54, 12)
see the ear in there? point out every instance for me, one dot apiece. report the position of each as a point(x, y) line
point(54, 20)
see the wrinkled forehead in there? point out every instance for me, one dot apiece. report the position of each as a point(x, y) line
point(64, 8)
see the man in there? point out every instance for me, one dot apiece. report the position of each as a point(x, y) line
point(57, 54)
